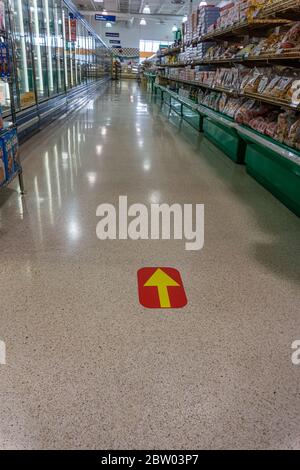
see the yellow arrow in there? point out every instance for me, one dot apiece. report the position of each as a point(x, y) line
point(162, 281)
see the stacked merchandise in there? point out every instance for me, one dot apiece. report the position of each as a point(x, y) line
point(237, 12)
point(207, 16)
point(280, 41)
point(190, 27)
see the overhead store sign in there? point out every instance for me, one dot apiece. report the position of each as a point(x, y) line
point(114, 41)
point(112, 35)
point(110, 18)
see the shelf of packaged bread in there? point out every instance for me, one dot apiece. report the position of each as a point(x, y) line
point(292, 56)
point(202, 85)
point(242, 29)
point(281, 149)
point(282, 8)
point(234, 92)
point(270, 100)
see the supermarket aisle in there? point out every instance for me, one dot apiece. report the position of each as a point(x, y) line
point(87, 366)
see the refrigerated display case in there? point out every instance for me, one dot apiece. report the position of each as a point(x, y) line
point(58, 59)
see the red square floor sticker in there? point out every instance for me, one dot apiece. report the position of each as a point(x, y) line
point(161, 288)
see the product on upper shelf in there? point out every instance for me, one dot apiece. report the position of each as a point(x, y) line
point(247, 50)
point(291, 40)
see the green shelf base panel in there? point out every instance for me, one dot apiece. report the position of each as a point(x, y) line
point(277, 174)
point(193, 118)
point(226, 138)
point(166, 97)
point(176, 106)
point(158, 93)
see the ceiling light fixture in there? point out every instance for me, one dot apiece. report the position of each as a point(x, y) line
point(143, 22)
point(184, 19)
point(108, 25)
point(146, 9)
point(174, 29)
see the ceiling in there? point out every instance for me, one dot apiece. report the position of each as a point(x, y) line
point(168, 7)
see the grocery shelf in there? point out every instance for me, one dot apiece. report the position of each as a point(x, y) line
point(242, 29)
point(256, 96)
point(281, 8)
point(237, 60)
point(273, 164)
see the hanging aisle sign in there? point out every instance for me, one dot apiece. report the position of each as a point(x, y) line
point(114, 41)
point(112, 35)
point(110, 18)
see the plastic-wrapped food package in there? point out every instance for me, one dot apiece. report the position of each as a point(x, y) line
point(249, 110)
point(285, 122)
point(271, 85)
point(271, 129)
point(222, 102)
point(292, 38)
point(281, 88)
point(294, 135)
point(252, 85)
point(233, 104)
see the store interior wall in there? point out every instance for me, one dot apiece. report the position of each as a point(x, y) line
point(130, 34)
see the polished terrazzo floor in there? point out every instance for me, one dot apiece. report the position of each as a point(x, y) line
point(87, 366)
